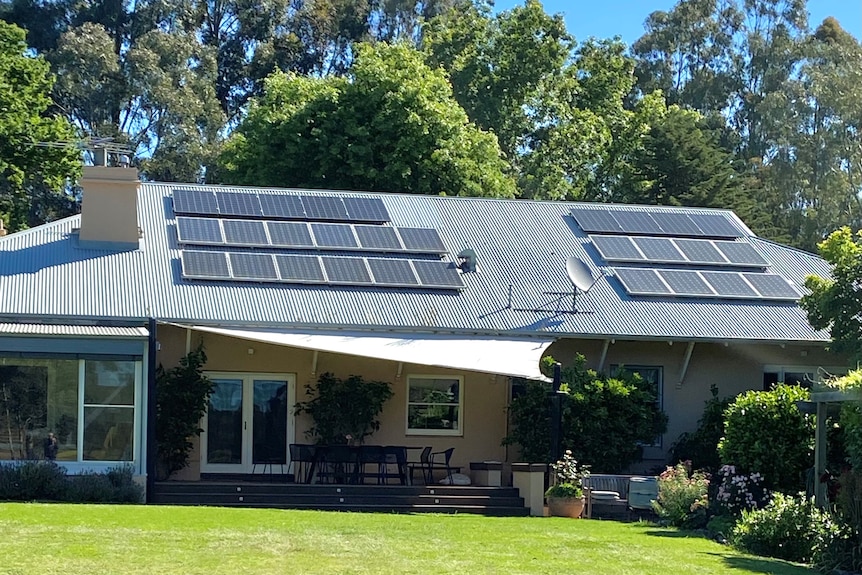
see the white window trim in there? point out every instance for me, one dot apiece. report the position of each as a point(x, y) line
point(439, 432)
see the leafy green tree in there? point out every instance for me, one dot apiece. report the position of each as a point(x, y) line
point(605, 420)
point(182, 393)
point(344, 410)
point(33, 179)
point(835, 303)
point(392, 125)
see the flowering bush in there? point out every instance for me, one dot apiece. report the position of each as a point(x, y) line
point(568, 477)
point(788, 527)
point(683, 496)
point(738, 492)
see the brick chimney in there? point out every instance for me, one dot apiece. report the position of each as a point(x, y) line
point(109, 210)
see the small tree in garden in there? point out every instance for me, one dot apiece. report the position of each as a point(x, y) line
point(606, 420)
point(344, 409)
point(182, 393)
point(764, 432)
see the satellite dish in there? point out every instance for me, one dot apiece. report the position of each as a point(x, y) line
point(579, 274)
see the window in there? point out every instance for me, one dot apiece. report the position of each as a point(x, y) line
point(804, 376)
point(434, 405)
point(652, 378)
point(68, 410)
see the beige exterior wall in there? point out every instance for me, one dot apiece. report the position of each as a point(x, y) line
point(733, 368)
point(484, 396)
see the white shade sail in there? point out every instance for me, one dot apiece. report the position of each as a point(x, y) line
point(512, 357)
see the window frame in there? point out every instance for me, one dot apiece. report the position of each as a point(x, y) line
point(637, 368)
point(459, 431)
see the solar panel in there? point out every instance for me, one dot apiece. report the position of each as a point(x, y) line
point(281, 206)
point(346, 270)
point(198, 202)
point(716, 226)
point(245, 233)
point(392, 272)
point(635, 222)
point(324, 208)
point(366, 210)
point(772, 286)
point(659, 249)
point(422, 240)
point(238, 204)
point(675, 224)
point(684, 282)
point(595, 220)
point(334, 235)
point(381, 238)
point(700, 251)
point(290, 234)
point(741, 253)
point(641, 281)
point(304, 269)
point(253, 266)
point(438, 274)
point(199, 231)
point(206, 265)
point(729, 284)
point(616, 248)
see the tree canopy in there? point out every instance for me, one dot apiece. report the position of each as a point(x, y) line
point(33, 177)
point(835, 303)
point(391, 125)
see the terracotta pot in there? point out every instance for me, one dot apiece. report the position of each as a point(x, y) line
point(566, 506)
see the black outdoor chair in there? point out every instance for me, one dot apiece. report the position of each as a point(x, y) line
point(337, 464)
point(302, 460)
point(431, 461)
point(394, 464)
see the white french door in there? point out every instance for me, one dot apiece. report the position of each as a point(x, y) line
point(249, 421)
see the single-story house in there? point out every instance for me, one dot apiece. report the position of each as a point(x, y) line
point(455, 295)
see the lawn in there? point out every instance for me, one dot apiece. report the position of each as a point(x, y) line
point(109, 539)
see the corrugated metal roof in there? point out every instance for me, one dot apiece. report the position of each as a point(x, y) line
point(521, 286)
point(72, 330)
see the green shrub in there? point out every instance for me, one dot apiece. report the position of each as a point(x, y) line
point(701, 446)
point(32, 480)
point(790, 528)
point(682, 497)
point(344, 409)
point(181, 400)
point(605, 420)
point(738, 492)
point(47, 481)
point(764, 431)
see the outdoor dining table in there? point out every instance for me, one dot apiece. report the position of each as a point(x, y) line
point(347, 464)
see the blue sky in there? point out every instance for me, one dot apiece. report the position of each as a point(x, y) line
point(608, 18)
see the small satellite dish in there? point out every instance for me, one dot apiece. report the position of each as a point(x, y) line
point(579, 274)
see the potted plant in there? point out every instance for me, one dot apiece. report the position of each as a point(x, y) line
point(566, 493)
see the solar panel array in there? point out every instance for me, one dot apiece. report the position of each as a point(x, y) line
point(706, 284)
point(655, 223)
point(279, 206)
point(647, 249)
point(292, 239)
point(307, 235)
point(314, 269)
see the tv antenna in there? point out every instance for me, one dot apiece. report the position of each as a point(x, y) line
point(582, 280)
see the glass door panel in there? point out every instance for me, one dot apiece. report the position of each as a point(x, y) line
point(269, 424)
point(248, 422)
point(224, 429)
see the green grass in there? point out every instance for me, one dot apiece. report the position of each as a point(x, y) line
point(108, 539)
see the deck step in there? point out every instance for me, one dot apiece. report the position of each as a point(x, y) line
point(497, 501)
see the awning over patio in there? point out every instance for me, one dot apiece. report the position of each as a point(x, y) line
point(511, 357)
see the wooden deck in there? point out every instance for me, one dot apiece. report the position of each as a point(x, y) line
point(271, 492)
